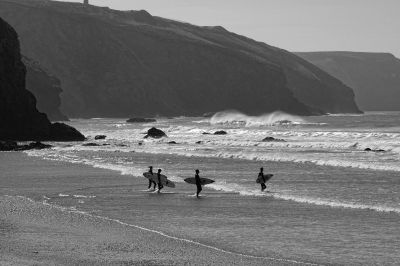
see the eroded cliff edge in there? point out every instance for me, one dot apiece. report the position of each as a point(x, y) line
point(19, 118)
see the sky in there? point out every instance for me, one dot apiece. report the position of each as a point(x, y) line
point(295, 25)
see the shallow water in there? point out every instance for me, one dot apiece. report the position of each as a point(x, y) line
point(337, 142)
point(328, 202)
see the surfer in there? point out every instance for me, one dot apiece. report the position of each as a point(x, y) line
point(261, 175)
point(151, 181)
point(160, 186)
point(198, 183)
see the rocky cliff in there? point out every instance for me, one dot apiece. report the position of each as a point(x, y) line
point(124, 63)
point(375, 77)
point(19, 118)
point(45, 88)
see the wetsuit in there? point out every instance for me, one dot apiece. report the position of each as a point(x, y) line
point(263, 186)
point(160, 186)
point(150, 181)
point(198, 184)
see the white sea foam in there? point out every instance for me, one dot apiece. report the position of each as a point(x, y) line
point(237, 118)
point(245, 191)
point(83, 197)
point(336, 204)
point(233, 187)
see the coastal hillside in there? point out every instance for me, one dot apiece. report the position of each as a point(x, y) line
point(19, 118)
point(45, 88)
point(122, 63)
point(375, 77)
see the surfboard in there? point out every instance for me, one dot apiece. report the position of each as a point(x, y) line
point(203, 180)
point(164, 180)
point(267, 177)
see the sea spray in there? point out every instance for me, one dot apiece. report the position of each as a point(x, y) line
point(236, 118)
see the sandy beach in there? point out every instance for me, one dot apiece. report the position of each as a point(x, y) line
point(34, 232)
point(61, 213)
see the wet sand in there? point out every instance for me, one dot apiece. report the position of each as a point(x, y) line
point(121, 224)
point(35, 233)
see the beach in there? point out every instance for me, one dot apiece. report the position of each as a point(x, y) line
point(36, 233)
point(62, 213)
point(330, 201)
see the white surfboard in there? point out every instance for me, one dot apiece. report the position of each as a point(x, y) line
point(164, 180)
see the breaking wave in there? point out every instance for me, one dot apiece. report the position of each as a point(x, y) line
point(237, 118)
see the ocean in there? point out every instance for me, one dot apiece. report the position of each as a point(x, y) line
point(329, 202)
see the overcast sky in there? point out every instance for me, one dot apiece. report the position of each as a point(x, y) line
point(295, 25)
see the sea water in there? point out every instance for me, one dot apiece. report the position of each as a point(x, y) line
point(330, 200)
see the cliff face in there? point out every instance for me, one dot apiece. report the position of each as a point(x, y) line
point(114, 63)
point(45, 88)
point(375, 77)
point(19, 118)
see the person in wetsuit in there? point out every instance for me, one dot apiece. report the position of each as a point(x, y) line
point(151, 181)
point(160, 186)
point(261, 174)
point(198, 183)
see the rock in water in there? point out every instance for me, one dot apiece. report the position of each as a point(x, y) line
point(221, 132)
point(63, 132)
point(36, 146)
point(378, 150)
point(8, 145)
point(19, 118)
point(91, 144)
point(272, 139)
point(155, 133)
point(140, 120)
point(14, 146)
point(98, 137)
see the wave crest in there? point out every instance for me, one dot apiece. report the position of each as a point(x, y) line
point(236, 118)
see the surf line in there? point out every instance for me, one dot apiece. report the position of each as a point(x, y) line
point(64, 209)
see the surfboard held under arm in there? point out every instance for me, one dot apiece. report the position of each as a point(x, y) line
point(164, 180)
point(203, 180)
point(261, 180)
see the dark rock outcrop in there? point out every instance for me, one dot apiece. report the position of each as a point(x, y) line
point(371, 150)
point(272, 139)
point(374, 77)
point(155, 133)
point(91, 144)
point(172, 142)
point(220, 132)
point(180, 68)
point(19, 118)
point(98, 137)
point(8, 145)
point(63, 132)
point(140, 120)
point(45, 88)
point(14, 146)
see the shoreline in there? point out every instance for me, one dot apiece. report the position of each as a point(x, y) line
point(276, 165)
point(291, 232)
point(81, 230)
point(38, 233)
